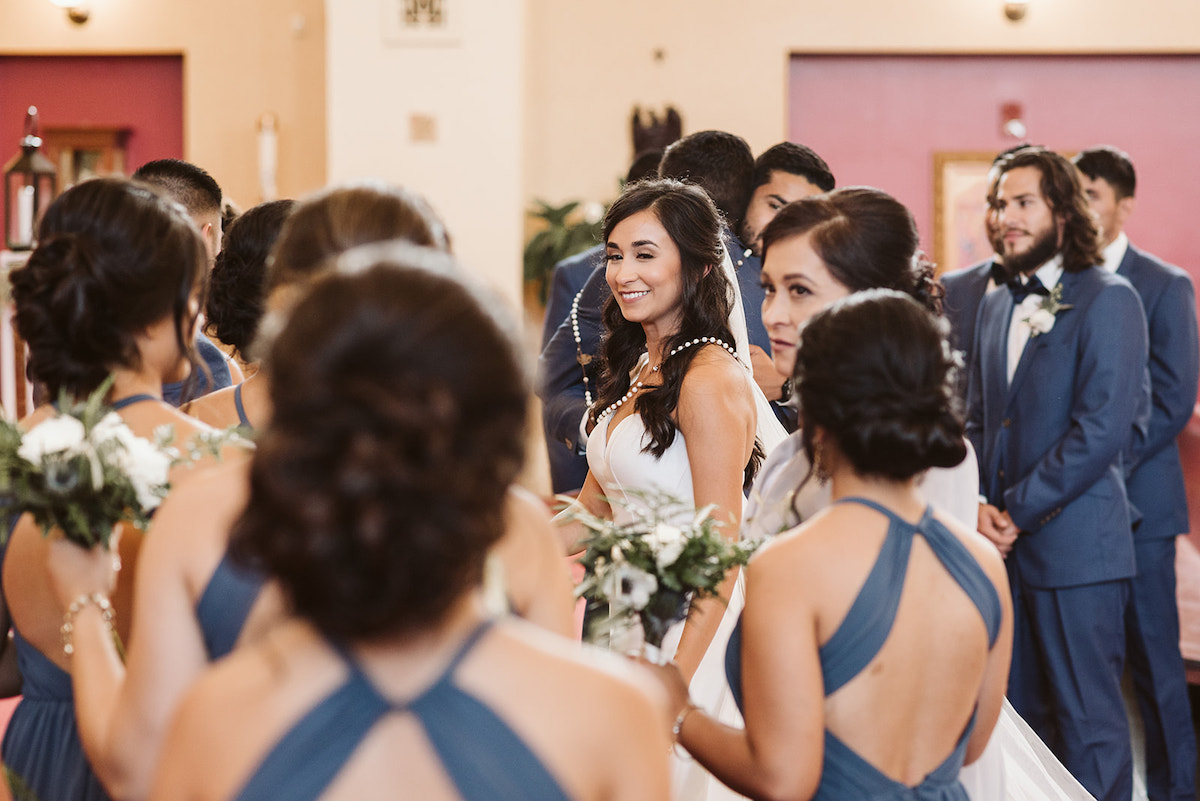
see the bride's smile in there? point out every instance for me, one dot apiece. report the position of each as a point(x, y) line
point(645, 273)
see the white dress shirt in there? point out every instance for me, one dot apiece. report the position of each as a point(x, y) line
point(1114, 252)
point(1018, 329)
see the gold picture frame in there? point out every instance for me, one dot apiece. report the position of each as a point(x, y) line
point(959, 206)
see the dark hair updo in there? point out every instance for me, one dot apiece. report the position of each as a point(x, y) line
point(112, 259)
point(235, 288)
point(875, 371)
point(866, 238)
point(398, 425)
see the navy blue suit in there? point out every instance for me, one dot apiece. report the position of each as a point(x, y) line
point(1050, 453)
point(1155, 486)
point(965, 289)
point(218, 368)
point(568, 468)
point(568, 278)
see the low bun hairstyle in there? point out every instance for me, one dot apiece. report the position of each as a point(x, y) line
point(867, 239)
point(398, 425)
point(875, 372)
point(235, 288)
point(112, 259)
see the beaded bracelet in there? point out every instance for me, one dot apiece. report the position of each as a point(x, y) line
point(68, 625)
point(682, 716)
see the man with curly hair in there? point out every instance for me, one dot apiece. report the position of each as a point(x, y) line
point(1058, 384)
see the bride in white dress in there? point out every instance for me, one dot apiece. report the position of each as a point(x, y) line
point(677, 408)
point(817, 251)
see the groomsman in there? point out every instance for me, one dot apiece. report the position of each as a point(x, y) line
point(200, 195)
point(1154, 478)
point(965, 288)
point(1056, 388)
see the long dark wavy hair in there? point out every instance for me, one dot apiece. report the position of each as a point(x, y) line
point(1060, 188)
point(694, 225)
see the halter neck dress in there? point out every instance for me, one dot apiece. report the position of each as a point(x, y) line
point(481, 754)
point(845, 774)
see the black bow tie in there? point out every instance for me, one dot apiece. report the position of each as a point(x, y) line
point(1021, 291)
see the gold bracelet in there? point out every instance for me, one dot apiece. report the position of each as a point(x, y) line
point(68, 625)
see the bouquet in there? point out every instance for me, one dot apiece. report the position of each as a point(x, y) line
point(651, 568)
point(83, 471)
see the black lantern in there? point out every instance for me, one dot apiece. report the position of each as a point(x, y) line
point(29, 185)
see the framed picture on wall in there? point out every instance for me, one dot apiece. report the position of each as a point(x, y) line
point(959, 205)
point(422, 22)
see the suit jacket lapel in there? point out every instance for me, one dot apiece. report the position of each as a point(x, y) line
point(1128, 262)
point(1036, 343)
point(992, 346)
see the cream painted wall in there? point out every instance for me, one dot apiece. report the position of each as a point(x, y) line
point(474, 93)
point(725, 64)
point(241, 58)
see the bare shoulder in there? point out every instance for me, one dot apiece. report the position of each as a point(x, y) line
point(210, 499)
point(979, 546)
point(216, 409)
point(797, 552)
point(715, 369)
point(522, 507)
point(716, 381)
point(597, 679)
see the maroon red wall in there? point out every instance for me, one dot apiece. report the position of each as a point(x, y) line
point(143, 93)
point(878, 120)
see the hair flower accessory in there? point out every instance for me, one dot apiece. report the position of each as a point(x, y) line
point(1045, 312)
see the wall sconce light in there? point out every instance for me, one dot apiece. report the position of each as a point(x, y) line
point(78, 11)
point(1015, 9)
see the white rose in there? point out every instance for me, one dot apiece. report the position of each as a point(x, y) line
point(1041, 321)
point(667, 543)
point(629, 586)
point(148, 468)
point(111, 427)
point(58, 435)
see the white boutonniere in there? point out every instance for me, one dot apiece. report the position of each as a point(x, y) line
point(1042, 318)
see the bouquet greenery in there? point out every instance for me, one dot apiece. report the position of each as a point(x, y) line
point(84, 471)
point(650, 568)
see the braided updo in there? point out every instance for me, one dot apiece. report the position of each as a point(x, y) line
point(112, 260)
point(876, 373)
point(398, 425)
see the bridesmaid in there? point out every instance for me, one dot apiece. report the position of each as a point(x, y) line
point(872, 655)
point(376, 494)
point(114, 287)
point(236, 301)
point(192, 604)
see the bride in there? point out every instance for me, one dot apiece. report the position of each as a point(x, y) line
point(677, 410)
